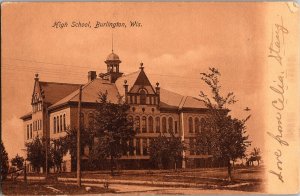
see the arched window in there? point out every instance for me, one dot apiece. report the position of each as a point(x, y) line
point(138, 147)
point(30, 130)
point(157, 123)
point(164, 125)
point(91, 120)
point(170, 124)
point(65, 127)
point(197, 125)
point(143, 97)
point(144, 124)
point(203, 124)
point(192, 146)
point(137, 124)
point(54, 125)
point(145, 147)
point(190, 124)
point(82, 119)
point(130, 119)
point(27, 131)
point(57, 124)
point(61, 123)
point(150, 124)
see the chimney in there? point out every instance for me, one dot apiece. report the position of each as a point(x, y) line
point(92, 75)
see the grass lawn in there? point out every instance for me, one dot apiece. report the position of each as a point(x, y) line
point(210, 177)
point(9, 187)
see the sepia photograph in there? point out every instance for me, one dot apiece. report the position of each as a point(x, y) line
point(142, 98)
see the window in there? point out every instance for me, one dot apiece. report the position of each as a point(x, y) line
point(61, 125)
point(203, 124)
point(135, 99)
point(41, 124)
point(91, 120)
point(142, 97)
point(65, 127)
point(176, 127)
point(131, 99)
point(190, 124)
point(137, 124)
point(144, 124)
point(145, 147)
point(82, 119)
point(164, 125)
point(157, 123)
point(138, 147)
point(54, 125)
point(131, 147)
point(57, 124)
point(30, 130)
point(150, 99)
point(150, 124)
point(170, 124)
point(192, 152)
point(197, 125)
point(27, 131)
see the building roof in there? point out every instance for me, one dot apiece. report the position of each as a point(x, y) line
point(55, 91)
point(90, 93)
point(112, 57)
point(58, 94)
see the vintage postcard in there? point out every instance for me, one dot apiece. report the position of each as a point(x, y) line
point(150, 98)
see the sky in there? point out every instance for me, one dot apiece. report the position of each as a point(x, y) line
point(176, 42)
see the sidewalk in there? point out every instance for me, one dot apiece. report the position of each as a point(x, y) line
point(149, 183)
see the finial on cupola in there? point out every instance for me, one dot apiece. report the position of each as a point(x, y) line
point(36, 76)
point(141, 65)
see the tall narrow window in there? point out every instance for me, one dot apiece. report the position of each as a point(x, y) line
point(164, 125)
point(150, 124)
point(27, 131)
point(170, 125)
point(64, 120)
point(203, 124)
point(142, 97)
point(192, 152)
point(157, 123)
point(30, 130)
point(137, 124)
point(131, 147)
point(41, 124)
point(57, 124)
point(144, 124)
point(135, 99)
point(176, 127)
point(91, 120)
point(130, 119)
point(82, 119)
point(138, 147)
point(145, 146)
point(190, 124)
point(61, 124)
point(54, 125)
point(197, 125)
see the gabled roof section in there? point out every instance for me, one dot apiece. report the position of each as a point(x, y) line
point(90, 93)
point(193, 103)
point(55, 91)
point(142, 79)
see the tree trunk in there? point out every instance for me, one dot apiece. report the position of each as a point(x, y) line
point(258, 162)
point(229, 170)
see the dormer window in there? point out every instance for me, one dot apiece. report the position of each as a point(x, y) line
point(142, 97)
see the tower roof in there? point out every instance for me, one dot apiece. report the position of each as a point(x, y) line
point(112, 57)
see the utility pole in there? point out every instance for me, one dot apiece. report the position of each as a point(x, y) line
point(46, 144)
point(78, 139)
